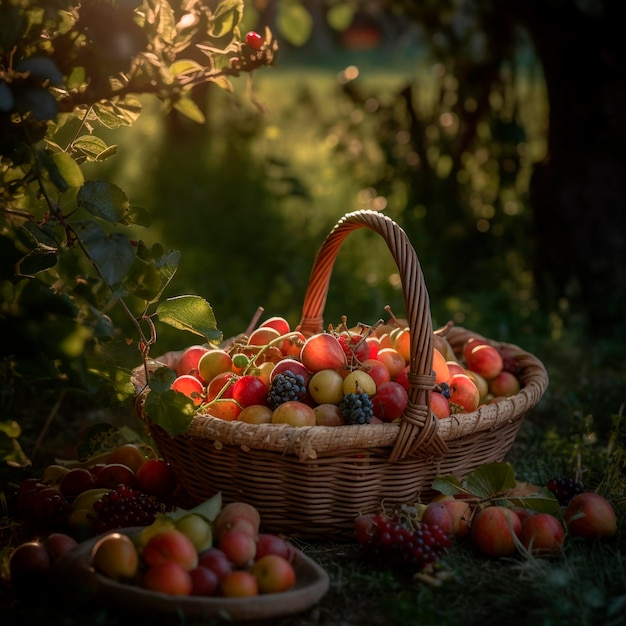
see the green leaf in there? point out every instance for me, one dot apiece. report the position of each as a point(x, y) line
point(115, 114)
point(68, 169)
point(137, 215)
point(90, 145)
point(39, 260)
point(225, 18)
point(294, 22)
point(191, 313)
point(542, 502)
point(171, 410)
point(491, 478)
point(189, 109)
point(113, 254)
point(97, 439)
point(448, 485)
point(104, 200)
point(185, 66)
point(161, 380)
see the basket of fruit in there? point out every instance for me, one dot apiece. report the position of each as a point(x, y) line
point(316, 425)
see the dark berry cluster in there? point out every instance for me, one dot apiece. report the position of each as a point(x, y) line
point(357, 408)
point(285, 387)
point(564, 488)
point(389, 541)
point(123, 507)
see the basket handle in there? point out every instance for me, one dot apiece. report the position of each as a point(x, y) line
point(418, 426)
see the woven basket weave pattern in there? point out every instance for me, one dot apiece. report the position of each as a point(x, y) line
point(314, 481)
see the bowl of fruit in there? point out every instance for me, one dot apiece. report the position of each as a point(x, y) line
point(316, 424)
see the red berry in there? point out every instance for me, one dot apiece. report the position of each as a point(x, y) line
point(254, 40)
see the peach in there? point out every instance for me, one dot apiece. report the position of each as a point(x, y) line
point(494, 529)
point(269, 543)
point(590, 515)
point(256, 414)
point(190, 386)
point(115, 556)
point(239, 584)
point(168, 577)
point(294, 413)
point(542, 534)
point(263, 335)
point(504, 385)
point(274, 573)
point(455, 367)
point(401, 341)
point(460, 513)
point(463, 392)
point(485, 360)
point(392, 359)
point(238, 546)
point(224, 408)
point(291, 346)
point(233, 510)
point(323, 351)
point(170, 546)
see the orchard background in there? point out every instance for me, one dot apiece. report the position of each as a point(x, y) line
point(494, 140)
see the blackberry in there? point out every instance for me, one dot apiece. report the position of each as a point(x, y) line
point(357, 408)
point(564, 488)
point(286, 386)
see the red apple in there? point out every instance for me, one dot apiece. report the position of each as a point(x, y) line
point(170, 546)
point(542, 534)
point(249, 390)
point(493, 530)
point(168, 577)
point(463, 392)
point(204, 581)
point(279, 323)
point(323, 351)
point(390, 401)
point(485, 360)
point(590, 515)
point(274, 574)
point(294, 413)
point(188, 361)
point(439, 405)
point(157, 478)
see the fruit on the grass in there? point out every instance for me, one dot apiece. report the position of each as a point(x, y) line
point(215, 560)
point(485, 360)
point(189, 386)
point(436, 513)
point(77, 480)
point(115, 556)
point(238, 546)
point(590, 515)
point(239, 584)
point(114, 474)
point(168, 577)
point(464, 393)
point(323, 351)
point(188, 361)
point(494, 529)
point(504, 385)
point(326, 386)
point(359, 381)
point(294, 413)
point(440, 367)
point(277, 322)
point(204, 581)
point(269, 543)
point(198, 529)
point(157, 478)
point(249, 390)
point(542, 534)
point(460, 514)
point(392, 360)
point(170, 546)
point(274, 573)
point(231, 511)
point(127, 454)
point(28, 563)
point(328, 415)
point(57, 544)
point(214, 362)
point(377, 370)
point(564, 488)
point(390, 401)
point(256, 414)
point(439, 405)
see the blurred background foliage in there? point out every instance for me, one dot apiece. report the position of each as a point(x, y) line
point(452, 118)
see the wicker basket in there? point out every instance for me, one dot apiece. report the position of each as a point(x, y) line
point(312, 482)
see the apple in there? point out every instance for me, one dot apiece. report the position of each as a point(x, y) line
point(198, 529)
point(359, 381)
point(460, 512)
point(355, 347)
point(189, 386)
point(323, 351)
point(455, 368)
point(114, 474)
point(470, 344)
point(189, 359)
point(293, 365)
point(294, 413)
point(504, 385)
point(215, 560)
point(274, 573)
point(291, 346)
point(221, 386)
point(157, 478)
point(238, 584)
point(463, 392)
point(77, 480)
point(263, 335)
point(590, 515)
point(168, 577)
point(439, 405)
point(269, 543)
point(374, 343)
point(256, 414)
point(214, 362)
point(485, 360)
point(392, 360)
point(233, 510)
point(436, 513)
point(326, 387)
point(277, 322)
point(390, 401)
point(170, 546)
point(328, 415)
point(238, 546)
point(542, 534)
point(29, 563)
point(204, 581)
point(377, 370)
point(115, 556)
point(249, 390)
point(493, 530)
